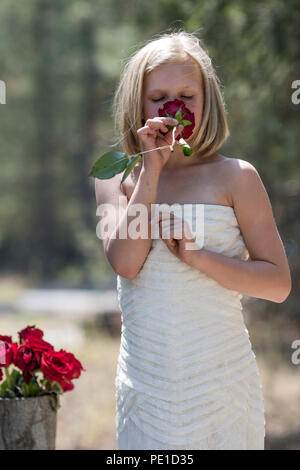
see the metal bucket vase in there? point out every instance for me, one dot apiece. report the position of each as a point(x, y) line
point(28, 423)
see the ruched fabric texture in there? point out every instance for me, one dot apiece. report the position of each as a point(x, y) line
point(187, 376)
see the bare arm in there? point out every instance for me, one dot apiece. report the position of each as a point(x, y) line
point(126, 255)
point(267, 275)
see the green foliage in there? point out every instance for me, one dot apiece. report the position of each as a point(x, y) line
point(131, 164)
point(14, 386)
point(112, 163)
point(109, 164)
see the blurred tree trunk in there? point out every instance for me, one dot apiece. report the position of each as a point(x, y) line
point(43, 195)
point(90, 108)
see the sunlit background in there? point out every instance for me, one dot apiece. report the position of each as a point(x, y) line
point(60, 61)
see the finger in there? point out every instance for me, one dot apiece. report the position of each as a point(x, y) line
point(161, 128)
point(168, 121)
point(168, 230)
point(170, 132)
point(146, 130)
point(167, 220)
point(172, 224)
point(172, 227)
point(160, 216)
point(175, 222)
point(156, 125)
point(176, 229)
point(166, 216)
point(171, 244)
point(160, 123)
point(176, 235)
point(179, 129)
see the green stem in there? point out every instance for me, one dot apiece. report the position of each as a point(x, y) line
point(7, 376)
point(146, 151)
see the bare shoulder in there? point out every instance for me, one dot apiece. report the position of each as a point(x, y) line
point(246, 185)
point(247, 191)
point(254, 213)
point(237, 167)
point(232, 165)
point(235, 173)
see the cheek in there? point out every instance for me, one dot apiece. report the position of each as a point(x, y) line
point(197, 109)
point(151, 110)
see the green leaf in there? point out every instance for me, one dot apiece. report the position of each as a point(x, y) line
point(109, 164)
point(185, 122)
point(10, 393)
point(24, 389)
point(5, 391)
point(56, 398)
point(18, 380)
point(14, 378)
point(187, 150)
point(33, 389)
point(131, 164)
point(56, 387)
point(178, 114)
point(4, 386)
point(19, 391)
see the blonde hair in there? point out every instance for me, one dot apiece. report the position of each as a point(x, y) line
point(127, 102)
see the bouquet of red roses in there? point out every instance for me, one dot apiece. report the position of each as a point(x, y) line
point(33, 368)
point(111, 163)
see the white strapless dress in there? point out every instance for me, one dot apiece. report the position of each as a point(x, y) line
point(187, 377)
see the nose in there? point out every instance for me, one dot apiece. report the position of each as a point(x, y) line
point(172, 98)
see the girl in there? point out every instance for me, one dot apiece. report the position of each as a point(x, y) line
point(187, 377)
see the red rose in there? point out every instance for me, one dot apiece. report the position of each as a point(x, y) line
point(76, 367)
point(30, 331)
point(170, 108)
point(8, 351)
point(37, 344)
point(1, 375)
point(61, 367)
point(6, 338)
point(27, 360)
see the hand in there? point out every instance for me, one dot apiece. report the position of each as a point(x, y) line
point(156, 134)
point(175, 233)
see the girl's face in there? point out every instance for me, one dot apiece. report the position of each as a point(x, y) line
point(173, 80)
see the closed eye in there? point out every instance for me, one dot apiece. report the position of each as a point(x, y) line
point(159, 99)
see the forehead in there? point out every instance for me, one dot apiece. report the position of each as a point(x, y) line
point(183, 73)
